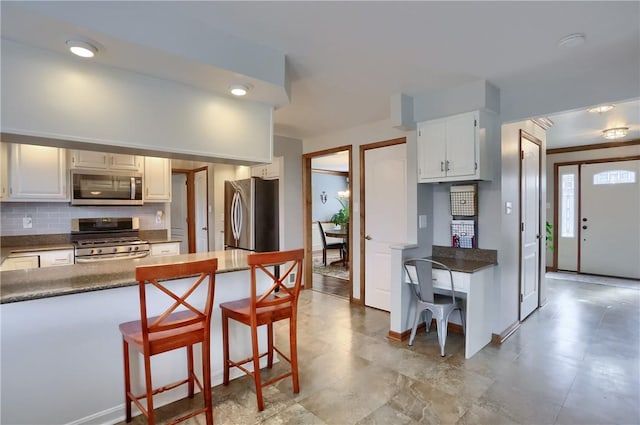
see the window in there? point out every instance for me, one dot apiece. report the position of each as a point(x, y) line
point(614, 177)
point(567, 206)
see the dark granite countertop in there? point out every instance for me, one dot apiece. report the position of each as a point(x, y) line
point(466, 260)
point(31, 284)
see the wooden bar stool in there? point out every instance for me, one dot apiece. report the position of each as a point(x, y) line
point(171, 330)
point(278, 302)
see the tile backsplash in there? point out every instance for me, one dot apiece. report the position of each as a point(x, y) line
point(55, 217)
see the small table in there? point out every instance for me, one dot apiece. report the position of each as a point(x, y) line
point(344, 235)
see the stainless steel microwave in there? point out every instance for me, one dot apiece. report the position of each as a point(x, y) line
point(90, 187)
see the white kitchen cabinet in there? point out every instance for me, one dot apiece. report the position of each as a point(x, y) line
point(105, 161)
point(20, 263)
point(157, 179)
point(454, 148)
point(268, 171)
point(165, 248)
point(35, 259)
point(58, 257)
point(37, 173)
point(4, 176)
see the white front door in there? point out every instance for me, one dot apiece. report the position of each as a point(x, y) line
point(179, 211)
point(610, 219)
point(385, 222)
point(201, 208)
point(530, 227)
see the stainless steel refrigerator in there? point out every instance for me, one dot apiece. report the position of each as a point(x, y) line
point(251, 214)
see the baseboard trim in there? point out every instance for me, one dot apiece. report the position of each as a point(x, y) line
point(502, 337)
point(399, 337)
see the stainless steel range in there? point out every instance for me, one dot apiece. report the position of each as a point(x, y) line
point(107, 238)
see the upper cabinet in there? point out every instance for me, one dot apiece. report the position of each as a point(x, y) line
point(268, 171)
point(454, 148)
point(105, 161)
point(157, 179)
point(37, 173)
point(4, 176)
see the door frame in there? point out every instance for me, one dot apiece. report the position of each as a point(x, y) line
point(363, 149)
point(191, 204)
point(531, 138)
point(556, 198)
point(307, 225)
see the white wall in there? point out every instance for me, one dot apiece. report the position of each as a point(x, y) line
point(50, 95)
point(356, 137)
point(291, 190)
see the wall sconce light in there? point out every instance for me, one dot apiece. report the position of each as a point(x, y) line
point(615, 133)
point(323, 197)
point(343, 194)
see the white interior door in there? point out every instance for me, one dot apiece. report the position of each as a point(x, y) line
point(567, 243)
point(179, 211)
point(386, 224)
point(201, 209)
point(530, 227)
point(610, 219)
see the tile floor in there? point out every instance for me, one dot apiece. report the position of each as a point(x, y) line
point(574, 361)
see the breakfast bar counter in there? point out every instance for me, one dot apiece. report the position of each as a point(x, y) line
point(30, 284)
point(61, 348)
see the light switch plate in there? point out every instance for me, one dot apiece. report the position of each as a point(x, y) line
point(422, 221)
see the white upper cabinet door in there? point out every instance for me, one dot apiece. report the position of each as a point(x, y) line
point(89, 159)
point(125, 162)
point(431, 150)
point(157, 179)
point(37, 173)
point(461, 145)
point(105, 161)
point(4, 176)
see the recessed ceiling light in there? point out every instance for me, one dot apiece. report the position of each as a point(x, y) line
point(239, 89)
point(572, 40)
point(601, 109)
point(82, 48)
point(615, 133)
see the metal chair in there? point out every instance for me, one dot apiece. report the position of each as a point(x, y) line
point(419, 272)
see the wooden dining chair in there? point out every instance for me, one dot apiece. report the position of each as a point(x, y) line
point(326, 246)
point(278, 302)
point(184, 322)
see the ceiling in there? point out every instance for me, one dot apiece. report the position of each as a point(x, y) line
point(345, 59)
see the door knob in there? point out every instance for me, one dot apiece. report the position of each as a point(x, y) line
point(368, 237)
point(204, 228)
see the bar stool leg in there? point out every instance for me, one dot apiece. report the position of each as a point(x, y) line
point(127, 380)
point(147, 372)
point(206, 380)
point(293, 344)
point(256, 367)
point(190, 370)
point(225, 346)
point(270, 345)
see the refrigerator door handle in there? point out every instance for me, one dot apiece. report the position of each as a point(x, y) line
point(236, 214)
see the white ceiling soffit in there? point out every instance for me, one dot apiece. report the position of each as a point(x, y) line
point(130, 38)
point(344, 60)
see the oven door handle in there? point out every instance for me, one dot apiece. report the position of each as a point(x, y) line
point(96, 259)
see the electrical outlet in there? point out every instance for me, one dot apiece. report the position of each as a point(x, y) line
point(27, 222)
